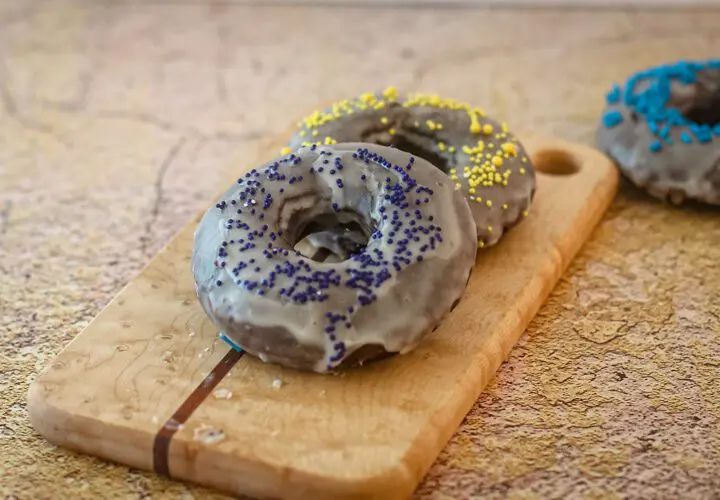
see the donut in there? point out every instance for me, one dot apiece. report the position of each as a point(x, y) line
point(264, 295)
point(487, 163)
point(662, 129)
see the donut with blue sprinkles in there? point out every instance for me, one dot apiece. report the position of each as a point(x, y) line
point(379, 295)
point(662, 129)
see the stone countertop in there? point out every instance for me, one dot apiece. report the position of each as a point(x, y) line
point(117, 123)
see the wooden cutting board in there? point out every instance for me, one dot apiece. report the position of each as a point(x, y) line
point(149, 384)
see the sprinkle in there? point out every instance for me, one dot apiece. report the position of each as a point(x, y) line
point(509, 148)
point(612, 119)
point(285, 151)
point(384, 120)
point(613, 97)
point(391, 93)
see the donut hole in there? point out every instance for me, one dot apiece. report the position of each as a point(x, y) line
point(332, 237)
point(555, 162)
point(404, 143)
point(698, 103)
point(410, 143)
point(705, 111)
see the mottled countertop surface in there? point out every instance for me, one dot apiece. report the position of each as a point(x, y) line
point(117, 123)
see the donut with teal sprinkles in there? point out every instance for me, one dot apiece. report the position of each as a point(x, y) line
point(662, 128)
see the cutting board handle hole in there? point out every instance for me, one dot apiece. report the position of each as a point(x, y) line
point(555, 162)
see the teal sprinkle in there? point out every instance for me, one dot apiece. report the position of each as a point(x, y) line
point(716, 129)
point(613, 97)
point(231, 343)
point(612, 119)
point(655, 147)
point(686, 138)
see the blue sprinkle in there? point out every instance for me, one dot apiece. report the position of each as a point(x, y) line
point(612, 119)
point(613, 97)
point(655, 147)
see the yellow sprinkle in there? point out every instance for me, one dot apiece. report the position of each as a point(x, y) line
point(525, 213)
point(391, 131)
point(489, 203)
point(487, 129)
point(505, 206)
point(441, 146)
point(439, 126)
point(497, 161)
point(384, 120)
point(481, 244)
point(491, 145)
point(451, 149)
point(524, 159)
point(489, 229)
point(509, 148)
point(391, 93)
point(430, 124)
point(314, 132)
point(504, 128)
point(471, 190)
point(522, 171)
point(478, 199)
point(475, 128)
point(367, 97)
point(285, 151)
point(453, 170)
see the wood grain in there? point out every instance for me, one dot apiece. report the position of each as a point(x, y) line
point(371, 432)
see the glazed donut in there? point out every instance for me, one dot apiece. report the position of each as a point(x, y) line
point(487, 163)
point(285, 308)
point(662, 128)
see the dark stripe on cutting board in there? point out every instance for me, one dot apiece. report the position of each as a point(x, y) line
point(161, 445)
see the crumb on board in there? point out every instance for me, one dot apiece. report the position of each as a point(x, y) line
point(222, 394)
point(207, 434)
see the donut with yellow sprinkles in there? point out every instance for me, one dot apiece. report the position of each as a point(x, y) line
point(480, 155)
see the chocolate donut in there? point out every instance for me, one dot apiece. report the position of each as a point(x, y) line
point(286, 308)
point(486, 162)
point(662, 128)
